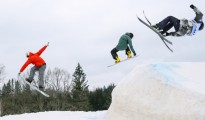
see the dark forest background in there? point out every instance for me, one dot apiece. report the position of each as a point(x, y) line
point(67, 93)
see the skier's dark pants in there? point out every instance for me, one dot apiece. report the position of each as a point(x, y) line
point(168, 23)
point(41, 70)
point(114, 52)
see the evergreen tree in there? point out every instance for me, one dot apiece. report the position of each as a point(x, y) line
point(7, 89)
point(17, 87)
point(7, 101)
point(100, 99)
point(79, 84)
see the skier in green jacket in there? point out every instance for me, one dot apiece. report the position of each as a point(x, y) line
point(124, 41)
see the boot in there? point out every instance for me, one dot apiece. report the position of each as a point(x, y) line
point(129, 55)
point(117, 60)
point(155, 26)
point(41, 88)
point(28, 80)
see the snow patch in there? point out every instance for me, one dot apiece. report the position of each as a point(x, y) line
point(58, 115)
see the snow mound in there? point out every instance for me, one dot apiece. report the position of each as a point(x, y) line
point(161, 91)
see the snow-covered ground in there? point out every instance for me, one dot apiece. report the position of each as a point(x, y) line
point(153, 91)
point(160, 91)
point(58, 115)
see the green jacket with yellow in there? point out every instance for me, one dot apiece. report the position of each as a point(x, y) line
point(124, 41)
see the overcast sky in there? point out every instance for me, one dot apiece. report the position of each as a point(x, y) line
point(85, 31)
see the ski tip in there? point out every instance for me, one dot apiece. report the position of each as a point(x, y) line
point(47, 96)
point(111, 65)
point(137, 16)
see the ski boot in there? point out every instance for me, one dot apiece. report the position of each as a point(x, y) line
point(155, 27)
point(28, 80)
point(41, 88)
point(117, 60)
point(161, 31)
point(129, 55)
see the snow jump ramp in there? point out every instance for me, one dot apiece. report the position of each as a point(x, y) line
point(161, 91)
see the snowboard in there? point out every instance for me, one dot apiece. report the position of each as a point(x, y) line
point(157, 32)
point(34, 87)
point(123, 61)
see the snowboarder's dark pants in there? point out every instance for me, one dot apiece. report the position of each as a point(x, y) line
point(168, 23)
point(114, 52)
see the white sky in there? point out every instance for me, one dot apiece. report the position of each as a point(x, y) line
point(85, 31)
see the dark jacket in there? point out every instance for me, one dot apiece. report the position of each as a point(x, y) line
point(190, 27)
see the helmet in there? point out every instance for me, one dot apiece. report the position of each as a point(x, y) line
point(131, 35)
point(202, 26)
point(27, 54)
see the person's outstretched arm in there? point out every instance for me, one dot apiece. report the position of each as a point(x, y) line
point(199, 14)
point(42, 49)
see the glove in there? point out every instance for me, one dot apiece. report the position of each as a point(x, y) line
point(134, 53)
point(192, 6)
point(47, 44)
point(167, 34)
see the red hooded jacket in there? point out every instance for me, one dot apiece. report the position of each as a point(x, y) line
point(35, 59)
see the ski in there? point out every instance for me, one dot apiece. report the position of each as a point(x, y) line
point(122, 61)
point(34, 87)
point(161, 36)
point(157, 31)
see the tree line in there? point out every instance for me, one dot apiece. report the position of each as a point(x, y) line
point(65, 94)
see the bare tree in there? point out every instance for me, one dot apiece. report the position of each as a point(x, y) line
point(2, 73)
point(2, 76)
point(57, 79)
point(1, 107)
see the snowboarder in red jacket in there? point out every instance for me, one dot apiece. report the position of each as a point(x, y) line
point(39, 65)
